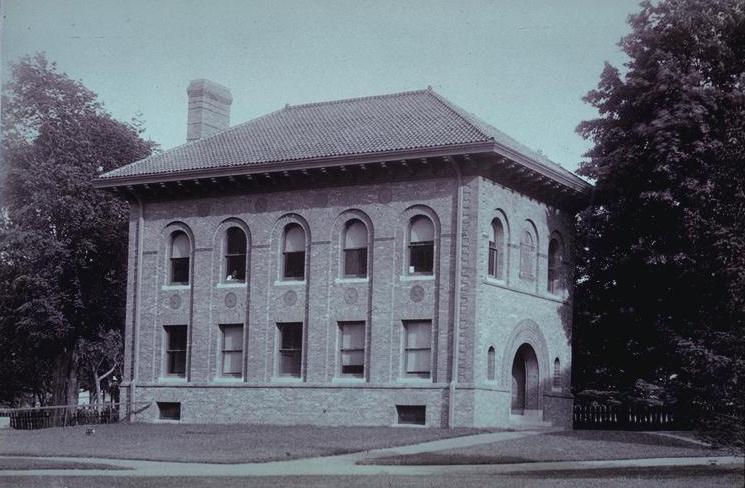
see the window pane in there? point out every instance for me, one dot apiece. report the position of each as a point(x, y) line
point(353, 336)
point(232, 337)
point(231, 363)
point(236, 241)
point(180, 247)
point(180, 271)
point(355, 263)
point(421, 257)
point(492, 260)
point(235, 268)
point(294, 265)
point(355, 236)
point(353, 370)
point(289, 363)
point(490, 367)
point(418, 361)
point(294, 238)
point(176, 338)
point(350, 358)
point(177, 363)
point(418, 335)
point(422, 230)
point(291, 336)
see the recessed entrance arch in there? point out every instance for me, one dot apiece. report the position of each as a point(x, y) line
point(525, 380)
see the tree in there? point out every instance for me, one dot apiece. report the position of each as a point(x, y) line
point(100, 358)
point(63, 243)
point(662, 248)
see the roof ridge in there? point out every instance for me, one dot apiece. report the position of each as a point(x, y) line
point(355, 99)
point(458, 111)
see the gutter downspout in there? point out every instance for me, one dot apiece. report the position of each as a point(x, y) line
point(456, 293)
point(137, 299)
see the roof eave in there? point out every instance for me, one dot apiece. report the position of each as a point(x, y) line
point(567, 178)
point(306, 163)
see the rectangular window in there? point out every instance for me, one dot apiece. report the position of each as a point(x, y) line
point(412, 414)
point(179, 271)
point(232, 350)
point(352, 349)
point(169, 410)
point(175, 350)
point(290, 348)
point(421, 257)
point(294, 265)
point(417, 349)
point(355, 263)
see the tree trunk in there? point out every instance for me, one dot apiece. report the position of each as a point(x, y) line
point(64, 383)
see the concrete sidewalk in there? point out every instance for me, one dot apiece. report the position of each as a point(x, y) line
point(345, 464)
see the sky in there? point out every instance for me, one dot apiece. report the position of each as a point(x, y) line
point(521, 65)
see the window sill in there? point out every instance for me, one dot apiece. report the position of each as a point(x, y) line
point(495, 281)
point(350, 280)
point(413, 380)
point(175, 287)
point(238, 284)
point(414, 277)
point(289, 283)
point(287, 379)
point(348, 379)
point(172, 379)
point(227, 379)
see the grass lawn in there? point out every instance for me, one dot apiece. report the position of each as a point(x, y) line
point(211, 443)
point(711, 477)
point(577, 445)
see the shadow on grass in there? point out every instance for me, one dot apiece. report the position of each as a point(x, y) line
point(27, 464)
point(645, 472)
point(628, 437)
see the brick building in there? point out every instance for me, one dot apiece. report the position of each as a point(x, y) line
point(372, 261)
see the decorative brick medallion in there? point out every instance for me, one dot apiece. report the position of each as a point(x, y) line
point(350, 296)
point(416, 293)
point(174, 302)
point(230, 300)
point(385, 195)
point(290, 298)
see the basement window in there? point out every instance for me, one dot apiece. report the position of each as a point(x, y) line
point(169, 410)
point(412, 414)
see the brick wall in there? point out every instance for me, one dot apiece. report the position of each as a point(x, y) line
point(489, 312)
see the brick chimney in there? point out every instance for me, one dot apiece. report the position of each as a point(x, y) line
point(209, 109)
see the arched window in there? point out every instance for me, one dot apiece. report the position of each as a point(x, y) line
point(497, 251)
point(555, 283)
point(527, 256)
point(179, 256)
point(293, 253)
point(490, 365)
point(421, 245)
point(235, 254)
point(355, 249)
point(557, 373)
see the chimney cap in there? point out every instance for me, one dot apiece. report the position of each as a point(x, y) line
point(203, 86)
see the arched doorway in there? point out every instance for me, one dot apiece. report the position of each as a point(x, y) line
point(525, 381)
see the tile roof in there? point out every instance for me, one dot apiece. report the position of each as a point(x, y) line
point(360, 126)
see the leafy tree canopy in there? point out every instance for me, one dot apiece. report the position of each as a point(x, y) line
point(62, 242)
point(662, 254)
